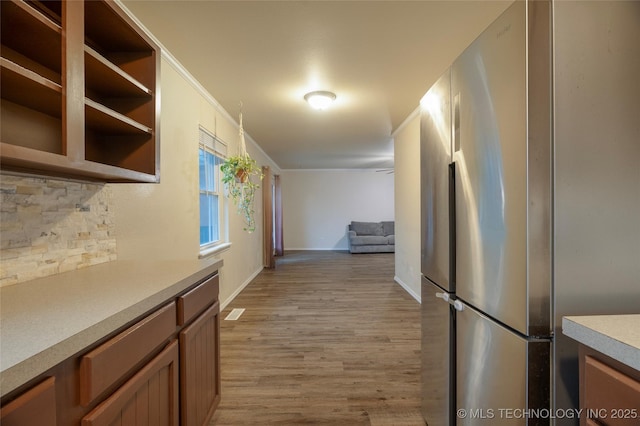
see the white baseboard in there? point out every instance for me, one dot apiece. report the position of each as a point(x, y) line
point(407, 288)
point(239, 289)
point(255, 274)
point(317, 249)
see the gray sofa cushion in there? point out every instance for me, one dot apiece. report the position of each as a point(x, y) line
point(367, 228)
point(391, 239)
point(380, 248)
point(364, 240)
point(388, 228)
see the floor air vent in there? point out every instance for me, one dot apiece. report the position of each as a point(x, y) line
point(234, 314)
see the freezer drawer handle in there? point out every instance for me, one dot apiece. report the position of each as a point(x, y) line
point(458, 305)
point(443, 296)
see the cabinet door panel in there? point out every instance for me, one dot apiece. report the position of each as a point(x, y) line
point(149, 398)
point(200, 367)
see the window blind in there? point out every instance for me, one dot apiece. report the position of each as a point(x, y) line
point(212, 143)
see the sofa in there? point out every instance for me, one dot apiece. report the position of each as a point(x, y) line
point(372, 237)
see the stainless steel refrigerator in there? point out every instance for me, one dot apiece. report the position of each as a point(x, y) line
point(503, 197)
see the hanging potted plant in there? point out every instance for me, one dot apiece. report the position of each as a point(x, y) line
point(237, 174)
point(239, 168)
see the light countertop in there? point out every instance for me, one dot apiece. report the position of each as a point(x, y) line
point(617, 336)
point(47, 320)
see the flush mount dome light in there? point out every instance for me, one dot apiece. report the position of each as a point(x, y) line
point(320, 99)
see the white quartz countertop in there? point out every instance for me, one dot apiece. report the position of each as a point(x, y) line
point(617, 336)
point(47, 320)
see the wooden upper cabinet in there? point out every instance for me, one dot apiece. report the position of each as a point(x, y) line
point(80, 91)
point(31, 79)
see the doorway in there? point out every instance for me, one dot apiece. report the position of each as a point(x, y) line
point(272, 219)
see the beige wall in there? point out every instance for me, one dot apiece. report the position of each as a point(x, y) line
point(161, 221)
point(319, 204)
point(407, 204)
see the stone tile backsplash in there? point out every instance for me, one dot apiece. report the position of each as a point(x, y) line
point(48, 226)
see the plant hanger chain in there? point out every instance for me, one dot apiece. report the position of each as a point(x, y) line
point(242, 146)
point(237, 172)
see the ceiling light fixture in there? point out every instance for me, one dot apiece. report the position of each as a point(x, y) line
point(320, 99)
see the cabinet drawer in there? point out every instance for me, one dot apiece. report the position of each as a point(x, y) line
point(109, 362)
point(37, 406)
point(609, 391)
point(197, 299)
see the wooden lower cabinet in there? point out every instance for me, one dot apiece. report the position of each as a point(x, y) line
point(609, 391)
point(162, 369)
point(114, 359)
point(36, 406)
point(148, 398)
point(199, 371)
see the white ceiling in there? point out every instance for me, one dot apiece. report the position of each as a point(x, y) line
point(379, 57)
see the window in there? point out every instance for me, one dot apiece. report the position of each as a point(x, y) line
point(211, 154)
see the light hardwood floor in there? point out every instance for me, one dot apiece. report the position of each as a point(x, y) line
point(327, 338)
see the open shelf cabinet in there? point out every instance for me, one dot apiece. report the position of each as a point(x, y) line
point(80, 91)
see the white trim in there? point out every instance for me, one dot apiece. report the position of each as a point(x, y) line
point(316, 249)
point(210, 250)
point(215, 144)
point(367, 170)
point(414, 113)
point(200, 89)
point(229, 299)
point(180, 69)
point(407, 288)
point(196, 85)
point(165, 54)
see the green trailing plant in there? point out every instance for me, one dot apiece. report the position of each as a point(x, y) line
point(237, 174)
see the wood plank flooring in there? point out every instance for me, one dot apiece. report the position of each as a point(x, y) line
point(327, 338)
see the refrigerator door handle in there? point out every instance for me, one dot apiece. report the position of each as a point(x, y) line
point(443, 296)
point(458, 305)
